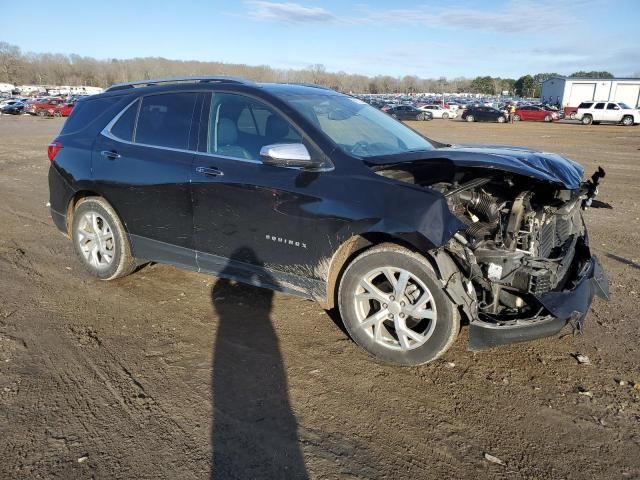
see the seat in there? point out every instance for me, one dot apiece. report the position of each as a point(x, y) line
point(276, 130)
point(228, 139)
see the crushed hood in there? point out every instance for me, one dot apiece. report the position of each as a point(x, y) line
point(548, 167)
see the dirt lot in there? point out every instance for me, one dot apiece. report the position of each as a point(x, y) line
point(171, 374)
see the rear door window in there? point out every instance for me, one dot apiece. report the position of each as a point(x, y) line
point(612, 106)
point(165, 120)
point(599, 106)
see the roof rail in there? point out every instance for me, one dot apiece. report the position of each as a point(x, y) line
point(313, 85)
point(198, 79)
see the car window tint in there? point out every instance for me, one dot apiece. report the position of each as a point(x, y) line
point(165, 120)
point(599, 106)
point(123, 128)
point(585, 105)
point(612, 106)
point(240, 126)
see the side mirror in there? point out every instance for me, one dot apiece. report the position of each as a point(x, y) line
point(293, 155)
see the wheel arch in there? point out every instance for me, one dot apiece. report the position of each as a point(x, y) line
point(81, 195)
point(358, 244)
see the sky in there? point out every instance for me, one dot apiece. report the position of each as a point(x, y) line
point(428, 38)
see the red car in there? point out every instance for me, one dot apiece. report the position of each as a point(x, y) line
point(62, 110)
point(537, 114)
point(41, 106)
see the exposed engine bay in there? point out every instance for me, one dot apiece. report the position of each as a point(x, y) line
point(522, 237)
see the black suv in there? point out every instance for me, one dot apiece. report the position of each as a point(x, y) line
point(307, 191)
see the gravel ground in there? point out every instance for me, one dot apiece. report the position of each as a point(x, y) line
point(172, 374)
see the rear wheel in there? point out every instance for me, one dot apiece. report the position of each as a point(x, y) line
point(627, 120)
point(547, 118)
point(572, 116)
point(392, 304)
point(445, 116)
point(100, 240)
point(501, 119)
point(587, 120)
point(516, 118)
point(470, 118)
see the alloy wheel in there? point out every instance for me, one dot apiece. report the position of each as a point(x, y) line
point(395, 308)
point(96, 240)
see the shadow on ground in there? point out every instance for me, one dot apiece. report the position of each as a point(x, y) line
point(254, 431)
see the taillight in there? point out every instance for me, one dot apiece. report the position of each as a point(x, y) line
point(53, 149)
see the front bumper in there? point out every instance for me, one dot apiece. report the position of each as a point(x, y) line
point(569, 305)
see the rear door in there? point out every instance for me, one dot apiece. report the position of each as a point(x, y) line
point(599, 111)
point(142, 164)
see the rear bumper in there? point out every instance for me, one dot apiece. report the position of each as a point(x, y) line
point(570, 305)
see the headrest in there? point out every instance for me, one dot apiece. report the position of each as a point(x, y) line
point(276, 128)
point(227, 132)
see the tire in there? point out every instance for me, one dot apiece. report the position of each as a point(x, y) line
point(394, 115)
point(501, 119)
point(587, 120)
point(445, 116)
point(627, 121)
point(516, 118)
point(428, 337)
point(42, 113)
point(572, 116)
point(95, 213)
point(57, 114)
point(547, 118)
point(470, 118)
point(421, 117)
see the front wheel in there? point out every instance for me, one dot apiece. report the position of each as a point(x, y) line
point(547, 118)
point(516, 118)
point(392, 304)
point(572, 116)
point(501, 119)
point(470, 118)
point(627, 120)
point(445, 116)
point(100, 240)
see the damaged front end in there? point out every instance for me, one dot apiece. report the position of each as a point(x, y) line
point(521, 268)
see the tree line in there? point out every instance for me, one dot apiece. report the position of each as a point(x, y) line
point(20, 68)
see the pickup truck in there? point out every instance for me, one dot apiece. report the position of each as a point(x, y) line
point(607, 112)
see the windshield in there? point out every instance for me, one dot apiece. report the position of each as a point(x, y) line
point(356, 127)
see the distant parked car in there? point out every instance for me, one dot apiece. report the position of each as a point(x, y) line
point(438, 112)
point(538, 114)
point(41, 106)
point(408, 112)
point(483, 114)
point(608, 112)
point(14, 108)
point(62, 110)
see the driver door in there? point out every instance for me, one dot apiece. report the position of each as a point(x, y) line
point(249, 216)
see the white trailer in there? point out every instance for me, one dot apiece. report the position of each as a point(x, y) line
point(7, 88)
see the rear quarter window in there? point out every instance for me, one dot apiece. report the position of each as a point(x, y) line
point(585, 105)
point(86, 112)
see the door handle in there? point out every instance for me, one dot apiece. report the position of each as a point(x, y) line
point(210, 171)
point(110, 154)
